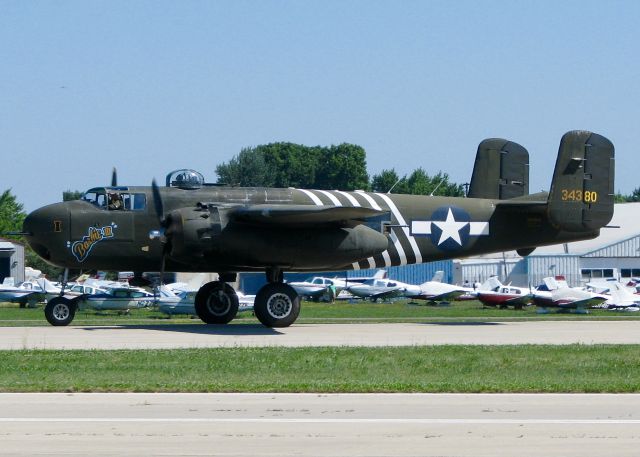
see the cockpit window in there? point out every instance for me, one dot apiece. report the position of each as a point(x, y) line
point(96, 197)
point(116, 200)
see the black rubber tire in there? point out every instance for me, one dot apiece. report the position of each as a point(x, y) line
point(60, 311)
point(216, 303)
point(277, 305)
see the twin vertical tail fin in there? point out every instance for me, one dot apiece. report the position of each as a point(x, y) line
point(501, 170)
point(582, 190)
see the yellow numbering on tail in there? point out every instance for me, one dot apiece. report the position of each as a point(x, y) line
point(576, 195)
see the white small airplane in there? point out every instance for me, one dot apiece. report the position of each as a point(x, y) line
point(319, 287)
point(179, 298)
point(22, 294)
point(556, 293)
point(433, 291)
point(383, 289)
point(623, 299)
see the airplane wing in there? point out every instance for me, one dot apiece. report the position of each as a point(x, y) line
point(300, 215)
point(446, 296)
point(584, 303)
point(393, 293)
point(523, 300)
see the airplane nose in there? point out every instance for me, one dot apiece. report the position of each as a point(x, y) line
point(43, 227)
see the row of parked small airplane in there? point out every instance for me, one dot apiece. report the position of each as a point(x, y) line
point(553, 293)
point(178, 298)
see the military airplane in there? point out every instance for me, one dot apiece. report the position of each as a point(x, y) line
point(191, 226)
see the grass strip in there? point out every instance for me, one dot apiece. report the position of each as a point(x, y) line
point(528, 368)
point(362, 311)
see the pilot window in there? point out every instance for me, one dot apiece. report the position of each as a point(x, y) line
point(98, 199)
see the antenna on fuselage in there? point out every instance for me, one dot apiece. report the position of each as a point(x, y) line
point(396, 183)
point(436, 188)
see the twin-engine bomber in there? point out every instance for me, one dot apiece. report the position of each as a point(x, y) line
point(192, 226)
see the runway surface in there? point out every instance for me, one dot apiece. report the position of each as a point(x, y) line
point(318, 424)
point(199, 335)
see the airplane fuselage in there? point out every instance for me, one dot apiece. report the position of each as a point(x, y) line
point(411, 229)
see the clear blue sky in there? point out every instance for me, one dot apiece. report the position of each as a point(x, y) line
point(151, 86)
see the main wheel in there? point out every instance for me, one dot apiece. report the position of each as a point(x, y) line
point(60, 311)
point(216, 303)
point(277, 305)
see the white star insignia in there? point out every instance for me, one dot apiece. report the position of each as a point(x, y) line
point(450, 229)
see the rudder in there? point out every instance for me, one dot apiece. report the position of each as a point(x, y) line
point(501, 170)
point(581, 196)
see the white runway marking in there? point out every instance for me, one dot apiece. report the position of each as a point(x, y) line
point(331, 425)
point(262, 420)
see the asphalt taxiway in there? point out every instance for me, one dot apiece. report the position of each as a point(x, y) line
point(404, 334)
point(319, 424)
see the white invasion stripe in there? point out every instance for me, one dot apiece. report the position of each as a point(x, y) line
point(369, 199)
point(372, 263)
point(349, 197)
point(312, 196)
point(332, 197)
point(421, 227)
point(309, 420)
point(405, 230)
point(355, 265)
point(387, 258)
point(397, 244)
point(478, 228)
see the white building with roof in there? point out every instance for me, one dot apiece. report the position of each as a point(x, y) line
point(614, 254)
point(11, 260)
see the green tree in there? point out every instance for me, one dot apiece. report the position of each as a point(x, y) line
point(248, 168)
point(343, 167)
point(387, 180)
point(293, 165)
point(11, 213)
point(69, 195)
point(418, 183)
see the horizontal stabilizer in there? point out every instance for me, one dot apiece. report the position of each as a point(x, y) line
point(301, 215)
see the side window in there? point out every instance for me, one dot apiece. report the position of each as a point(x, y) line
point(139, 202)
point(126, 201)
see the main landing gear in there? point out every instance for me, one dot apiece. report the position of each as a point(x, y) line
point(276, 305)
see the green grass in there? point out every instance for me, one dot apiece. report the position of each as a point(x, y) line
point(400, 311)
point(533, 368)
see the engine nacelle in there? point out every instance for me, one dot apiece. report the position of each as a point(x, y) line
point(192, 231)
point(205, 232)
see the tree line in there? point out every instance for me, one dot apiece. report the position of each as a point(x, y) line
point(341, 167)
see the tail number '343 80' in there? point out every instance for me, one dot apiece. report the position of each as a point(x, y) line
point(579, 195)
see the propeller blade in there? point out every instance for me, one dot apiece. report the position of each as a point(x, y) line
point(114, 177)
point(157, 201)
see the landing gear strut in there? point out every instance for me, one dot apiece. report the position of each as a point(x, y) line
point(216, 303)
point(277, 304)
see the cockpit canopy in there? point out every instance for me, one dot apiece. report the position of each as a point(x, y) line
point(116, 198)
point(185, 179)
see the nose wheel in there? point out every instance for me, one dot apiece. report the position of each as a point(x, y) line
point(60, 311)
point(277, 305)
